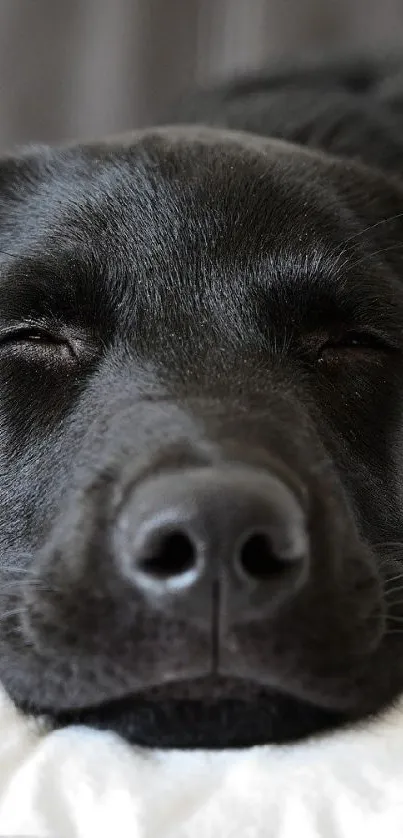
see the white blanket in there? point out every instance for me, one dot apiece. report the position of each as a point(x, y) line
point(80, 783)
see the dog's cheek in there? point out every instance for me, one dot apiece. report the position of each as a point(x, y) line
point(360, 421)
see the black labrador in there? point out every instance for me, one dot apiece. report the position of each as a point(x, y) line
point(201, 416)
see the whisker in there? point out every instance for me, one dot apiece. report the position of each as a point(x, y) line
point(387, 544)
point(370, 227)
point(392, 592)
point(351, 240)
point(10, 579)
point(396, 246)
point(14, 587)
point(390, 582)
point(389, 557)
point(11, 569)
point(14, 584)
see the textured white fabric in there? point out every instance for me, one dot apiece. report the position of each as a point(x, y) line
point(78, 783)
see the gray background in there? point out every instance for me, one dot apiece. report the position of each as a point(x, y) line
point(83, 68)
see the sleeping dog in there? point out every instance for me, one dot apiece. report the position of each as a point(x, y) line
point(201, 416)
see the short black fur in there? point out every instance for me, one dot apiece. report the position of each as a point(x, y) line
point(198, 296)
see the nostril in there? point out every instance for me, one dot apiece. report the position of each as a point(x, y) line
point(257, 558)
point(172, 554)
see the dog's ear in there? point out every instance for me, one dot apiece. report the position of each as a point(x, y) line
point(20, 174)
point(23, 166)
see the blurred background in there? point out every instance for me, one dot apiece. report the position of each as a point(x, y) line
point(82, 68)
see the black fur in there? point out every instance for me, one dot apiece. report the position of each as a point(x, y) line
point(188, 296)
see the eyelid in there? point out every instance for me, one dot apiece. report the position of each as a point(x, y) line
point(373, 337)
point(21, 334)
point(358, 338)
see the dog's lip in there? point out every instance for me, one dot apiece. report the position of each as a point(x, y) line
point(208, 689)
point(236, 713)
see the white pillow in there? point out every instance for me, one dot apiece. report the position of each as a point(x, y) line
point(78, 782)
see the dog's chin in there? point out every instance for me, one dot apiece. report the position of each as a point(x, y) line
point(205, 713)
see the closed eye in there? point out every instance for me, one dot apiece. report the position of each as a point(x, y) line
point(358, 343)
point(35, 339)
point(29, 334)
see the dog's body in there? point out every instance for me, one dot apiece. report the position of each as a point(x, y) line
point(201, 417)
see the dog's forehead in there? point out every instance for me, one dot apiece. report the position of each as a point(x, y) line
point(143, 170)
point(181, 211)
point(173, 186)
point(187, 198)
point(187, 185)
point(213, 165)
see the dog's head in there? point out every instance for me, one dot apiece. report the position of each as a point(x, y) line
point(201, 430)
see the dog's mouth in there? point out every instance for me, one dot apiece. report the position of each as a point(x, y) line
point(205, 713)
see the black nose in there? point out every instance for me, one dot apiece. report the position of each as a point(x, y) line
point(179, 532)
